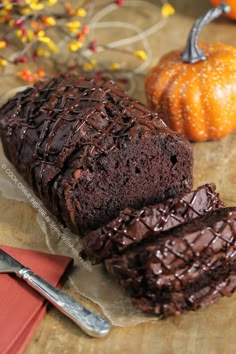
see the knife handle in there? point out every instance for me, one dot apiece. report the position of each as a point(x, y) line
point(89, 322)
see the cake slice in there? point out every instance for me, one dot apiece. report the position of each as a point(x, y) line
point(185, 268)
point(132, 226)
point(90, 150)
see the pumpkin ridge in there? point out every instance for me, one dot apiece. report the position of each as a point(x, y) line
point(164, 108)
point(154, 81)
point(173, 113)
point(204, 104)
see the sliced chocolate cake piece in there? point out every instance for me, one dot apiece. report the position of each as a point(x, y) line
point(132, 226)
point(89, 150)
point(185, 268)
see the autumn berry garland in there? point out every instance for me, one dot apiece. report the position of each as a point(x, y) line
point(44, 37)
point(194, 90)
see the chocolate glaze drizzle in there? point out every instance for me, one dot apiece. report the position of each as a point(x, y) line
point(132, 226)
point(188, 267)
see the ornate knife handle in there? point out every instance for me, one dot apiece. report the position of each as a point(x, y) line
point(89, 322)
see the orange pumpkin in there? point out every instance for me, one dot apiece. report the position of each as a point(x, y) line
point(194, 91)
point(231, 3)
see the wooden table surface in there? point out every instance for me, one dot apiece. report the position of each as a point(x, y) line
point(210, 331)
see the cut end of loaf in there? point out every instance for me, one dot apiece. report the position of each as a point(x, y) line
point(145, 172)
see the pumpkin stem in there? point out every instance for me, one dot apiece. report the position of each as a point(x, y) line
point(193, 53)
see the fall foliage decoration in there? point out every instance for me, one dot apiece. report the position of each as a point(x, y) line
point(42, 36)
point(194, 90)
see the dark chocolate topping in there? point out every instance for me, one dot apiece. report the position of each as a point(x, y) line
point(179, 262)
point(76, 113)
point(132, 226)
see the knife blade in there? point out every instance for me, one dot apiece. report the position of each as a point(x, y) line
point(91, 323)
point(9, 264)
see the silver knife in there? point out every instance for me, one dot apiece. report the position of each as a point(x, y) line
point(89, 322)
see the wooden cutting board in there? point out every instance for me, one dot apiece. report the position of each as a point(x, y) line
point(210, 331)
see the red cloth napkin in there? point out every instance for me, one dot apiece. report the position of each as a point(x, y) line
point(22, 308)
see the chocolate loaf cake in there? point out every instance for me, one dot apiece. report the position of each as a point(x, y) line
point(89, 150)
point(132, 226)
point(185, 268)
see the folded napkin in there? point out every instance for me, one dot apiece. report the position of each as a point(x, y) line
point(21, 307)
